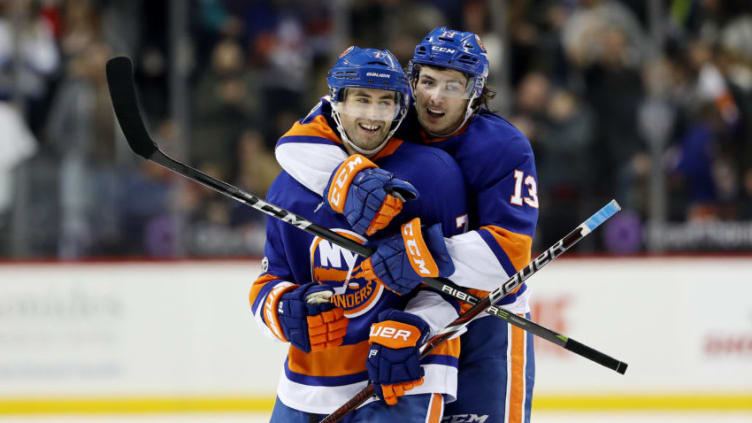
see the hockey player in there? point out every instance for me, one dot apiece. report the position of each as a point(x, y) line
point(448, 74)
point(344, 329)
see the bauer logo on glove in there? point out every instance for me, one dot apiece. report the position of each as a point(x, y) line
point(394, 358)
point(394, 334)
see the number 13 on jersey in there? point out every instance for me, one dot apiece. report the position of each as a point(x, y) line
point(531, 196)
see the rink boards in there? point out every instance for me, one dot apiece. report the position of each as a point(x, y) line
point(165, 336)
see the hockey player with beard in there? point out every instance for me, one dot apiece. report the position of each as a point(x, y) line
point(447, 75)
point(345, 325)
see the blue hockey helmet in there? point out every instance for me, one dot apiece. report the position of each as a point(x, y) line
point(368, 68)
point(458, 50)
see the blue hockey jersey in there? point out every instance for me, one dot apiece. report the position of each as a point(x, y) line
point(319, 382)
point(498, 168)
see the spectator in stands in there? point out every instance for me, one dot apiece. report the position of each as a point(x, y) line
point(26, 75)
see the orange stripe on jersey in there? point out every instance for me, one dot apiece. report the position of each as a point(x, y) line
point(516, 390)
point(478, 293)
point(318, 127)
point(258, 284)
point(341, 361)
point(435, 409)
point(450, 347)
point(314, 247)
point(429, 139)
point(389, 148)
point(516, 246)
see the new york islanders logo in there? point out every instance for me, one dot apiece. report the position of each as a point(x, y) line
point(340, 268)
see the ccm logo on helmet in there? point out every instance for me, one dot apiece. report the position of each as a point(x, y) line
point(442, 49)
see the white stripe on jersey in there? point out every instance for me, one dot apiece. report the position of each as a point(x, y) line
point(434, 309)
point(310, 164)
point(439, 378)
point(475, 265)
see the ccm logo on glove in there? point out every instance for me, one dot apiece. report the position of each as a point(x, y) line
point(420, 257)
point(346, 172)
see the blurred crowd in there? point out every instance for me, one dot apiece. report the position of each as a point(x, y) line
point(612, 95)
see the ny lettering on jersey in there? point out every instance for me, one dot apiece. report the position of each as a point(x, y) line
point(339, 268)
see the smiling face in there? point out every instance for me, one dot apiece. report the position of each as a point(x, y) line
point(367, 114)
point(441, 97)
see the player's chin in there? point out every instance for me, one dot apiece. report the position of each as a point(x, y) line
point(369, 141)
point(433, 125)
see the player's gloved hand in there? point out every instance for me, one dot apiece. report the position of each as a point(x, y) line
point(361, 191)
point(307, 319)
point(401, 261)
point(394, 358)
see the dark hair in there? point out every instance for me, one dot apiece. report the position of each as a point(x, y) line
point(486, 96)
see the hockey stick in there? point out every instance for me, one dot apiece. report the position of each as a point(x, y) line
point(125, 103)
point(493, 297)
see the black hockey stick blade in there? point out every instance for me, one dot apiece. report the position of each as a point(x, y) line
point(125, 102)
point(597, 356)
